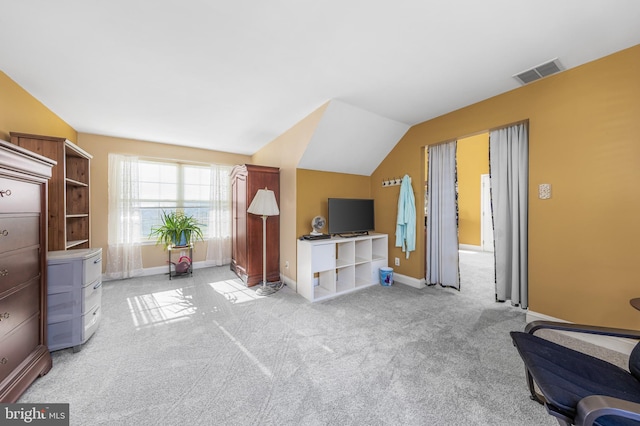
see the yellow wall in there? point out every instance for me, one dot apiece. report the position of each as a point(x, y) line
point(101, 146)
point(21, 112)
point(386, 205)
point(583, 140)
point(472, 156)
point(314, 188)
point(285, 152)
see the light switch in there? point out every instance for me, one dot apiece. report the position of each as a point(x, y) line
point(544, 191)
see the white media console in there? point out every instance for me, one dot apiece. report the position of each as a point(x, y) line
point(331, 267)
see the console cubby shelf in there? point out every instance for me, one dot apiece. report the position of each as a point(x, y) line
point(331, 267)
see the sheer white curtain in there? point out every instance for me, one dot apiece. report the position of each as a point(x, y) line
point(442, 217)
point(219, 227)
point(509, 162)
point(124, 254)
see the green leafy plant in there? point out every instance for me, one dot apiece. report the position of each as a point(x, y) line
point(177, 229)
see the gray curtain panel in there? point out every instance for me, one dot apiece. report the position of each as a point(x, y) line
point(442, 221)
point(509, 162)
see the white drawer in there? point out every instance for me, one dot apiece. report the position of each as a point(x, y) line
point(91, 295)
point(73, 268)
point(90, 322)
point(63, 277)
point(65, 305)
point(92, 268)
point(64, 334)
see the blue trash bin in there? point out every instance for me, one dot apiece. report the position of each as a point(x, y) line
point(386, 276)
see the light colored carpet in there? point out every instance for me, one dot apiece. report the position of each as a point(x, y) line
point(203, 350)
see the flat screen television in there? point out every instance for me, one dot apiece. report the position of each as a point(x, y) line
point(349, 216)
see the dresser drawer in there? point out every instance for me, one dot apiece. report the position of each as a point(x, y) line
point(90, 322)
point(74, 302)
point(19, 305)
point(18, 196)
point(62, 306)
point(17, 267)
point(73, 268)
point(18, 344)
point(63, 277)
point(93, 267)
point(91, 295)
point(17, 232)
point(65, 334)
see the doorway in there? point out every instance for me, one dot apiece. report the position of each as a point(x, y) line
point(477, 264)
point(486, 216)
point(509, 207)
point(475, 229)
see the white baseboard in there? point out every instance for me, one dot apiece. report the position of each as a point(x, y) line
point(293, 285)
point(624, 346)
point(165, 269)
point(159, 270)
point(410, 281)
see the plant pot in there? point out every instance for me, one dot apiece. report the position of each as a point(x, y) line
point(182, 241)
point(177, 230)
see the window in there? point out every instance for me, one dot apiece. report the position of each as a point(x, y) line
point(184, 187)
point(139, 189)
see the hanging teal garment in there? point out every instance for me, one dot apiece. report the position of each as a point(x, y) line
point(406, 222)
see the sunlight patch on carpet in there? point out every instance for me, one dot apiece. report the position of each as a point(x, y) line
point(160, 308)
point(234, 291)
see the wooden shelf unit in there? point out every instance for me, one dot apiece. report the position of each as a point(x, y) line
point(69, 217)
point(331, 267)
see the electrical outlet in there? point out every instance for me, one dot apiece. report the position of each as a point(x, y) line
point(397, 261)
point(286, 265)
point(544, 191)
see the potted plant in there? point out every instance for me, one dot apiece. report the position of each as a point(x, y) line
point(177, 229)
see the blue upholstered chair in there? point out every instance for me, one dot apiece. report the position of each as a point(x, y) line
point(577, 388)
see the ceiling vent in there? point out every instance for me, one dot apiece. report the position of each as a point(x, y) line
point(539, 71)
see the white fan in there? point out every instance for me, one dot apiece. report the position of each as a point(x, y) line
point(317, 224)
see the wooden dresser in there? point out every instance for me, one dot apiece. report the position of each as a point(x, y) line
point(24, 355)
point(246, 229)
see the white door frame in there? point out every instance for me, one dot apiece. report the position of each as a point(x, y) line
point(486, 219)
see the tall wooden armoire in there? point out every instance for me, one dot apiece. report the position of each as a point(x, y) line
point(246, 234)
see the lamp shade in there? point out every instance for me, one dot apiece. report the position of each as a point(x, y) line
point(264, 203)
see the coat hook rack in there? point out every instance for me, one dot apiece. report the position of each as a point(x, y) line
point(392, 182)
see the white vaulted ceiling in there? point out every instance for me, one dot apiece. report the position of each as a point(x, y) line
point(234, 75)
point(351, 140)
